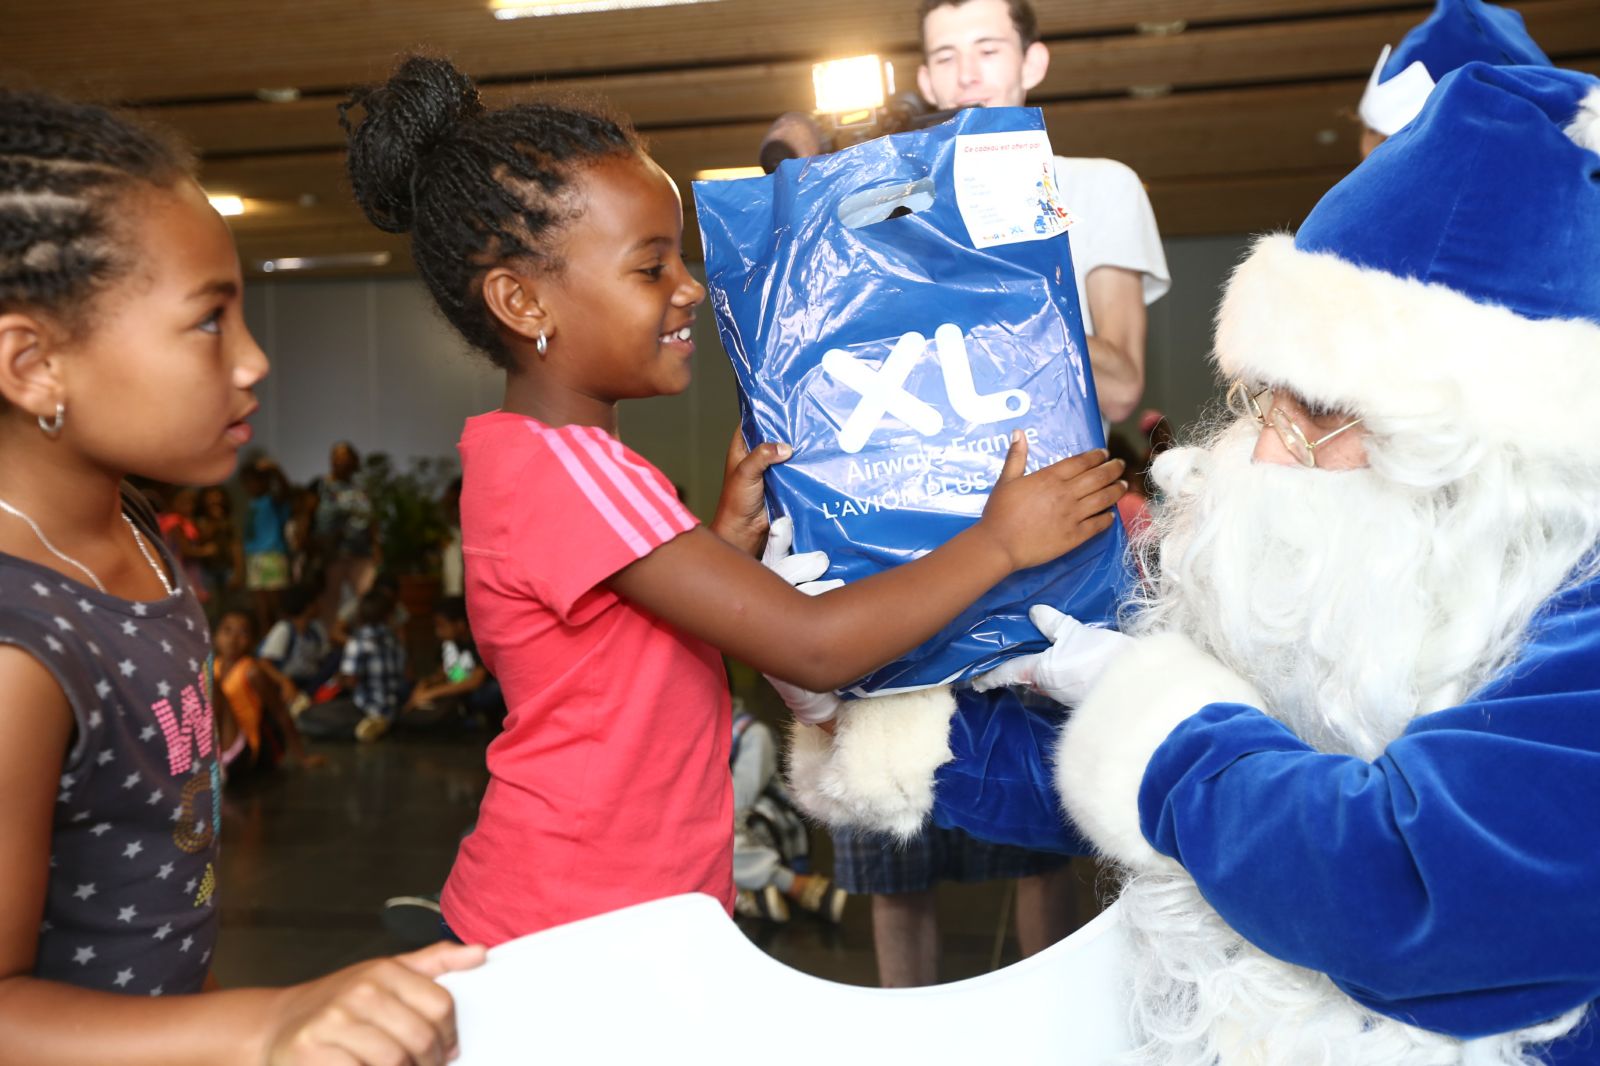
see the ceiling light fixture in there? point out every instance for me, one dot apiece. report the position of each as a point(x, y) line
point(285, 95)
point(728, 173)
point(521, 9)
point(344, 261)
point(227, 205)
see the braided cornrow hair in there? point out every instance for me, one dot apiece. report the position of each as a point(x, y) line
point(64, 167)
point(473, 187)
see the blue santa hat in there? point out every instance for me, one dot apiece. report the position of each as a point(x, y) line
point(1455, 273)
point(1457, 33)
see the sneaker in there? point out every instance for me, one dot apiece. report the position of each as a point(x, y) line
point(371, 728)
point(767, 904)
point(820, 896)
point(414, 919)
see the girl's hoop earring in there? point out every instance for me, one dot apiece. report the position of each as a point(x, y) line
point(541, 345)
point(52, 426)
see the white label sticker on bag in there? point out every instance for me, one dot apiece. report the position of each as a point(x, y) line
point(1006, 188)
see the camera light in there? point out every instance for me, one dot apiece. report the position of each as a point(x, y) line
point(844, 85)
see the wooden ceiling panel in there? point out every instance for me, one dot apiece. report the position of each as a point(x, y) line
point(189, 49)
point(1293, 129)
point(1290, 51)
point(1238, 55)
point(1236, 113)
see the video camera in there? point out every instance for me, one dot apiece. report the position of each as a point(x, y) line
point(856, 102)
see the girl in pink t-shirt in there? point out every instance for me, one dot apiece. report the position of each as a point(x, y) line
point(552, 242)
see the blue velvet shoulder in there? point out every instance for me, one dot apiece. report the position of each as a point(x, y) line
point(1559, 668)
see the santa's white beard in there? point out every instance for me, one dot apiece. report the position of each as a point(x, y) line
point(1354, 601)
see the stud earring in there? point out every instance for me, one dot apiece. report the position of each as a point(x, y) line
point(52, 426)
point(541, 345)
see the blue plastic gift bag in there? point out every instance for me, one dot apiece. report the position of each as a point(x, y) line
point(894, 311)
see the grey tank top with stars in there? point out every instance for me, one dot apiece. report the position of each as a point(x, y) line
point(131, 905)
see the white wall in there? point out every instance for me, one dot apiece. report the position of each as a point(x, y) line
point(371, 362)
point(1178, 377)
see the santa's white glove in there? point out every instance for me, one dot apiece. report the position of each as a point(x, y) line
point(802, 572)
point(1068, 669)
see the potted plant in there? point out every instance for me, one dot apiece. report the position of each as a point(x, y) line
point(408, 510)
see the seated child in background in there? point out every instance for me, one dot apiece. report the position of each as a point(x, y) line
point(266, 548)
point(255, 726)
point(371, 680)
point(771, 841)
point(462, 690)
point(297, 652)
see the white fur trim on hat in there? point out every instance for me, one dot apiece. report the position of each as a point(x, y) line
point(1108, 741)
point(1584, 129)
point(876, 771)
point(1382, 346)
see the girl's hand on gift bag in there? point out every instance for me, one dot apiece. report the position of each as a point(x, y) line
point(1068, 669)
point(741, 517)
point(1041, 516)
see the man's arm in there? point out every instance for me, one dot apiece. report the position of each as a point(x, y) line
point(1116, 351)
point(1449, 883)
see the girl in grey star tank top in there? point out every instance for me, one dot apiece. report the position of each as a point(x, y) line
point(123, 351)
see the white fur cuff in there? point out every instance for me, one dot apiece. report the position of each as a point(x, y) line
point(1109, 740)
point(876, 771)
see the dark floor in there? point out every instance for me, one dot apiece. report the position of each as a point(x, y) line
point(309, 855)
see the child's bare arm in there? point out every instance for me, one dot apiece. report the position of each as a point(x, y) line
point(277, 709)
point(286, 688)
point(700, 584)
point(442, 688)
point(381, 1011)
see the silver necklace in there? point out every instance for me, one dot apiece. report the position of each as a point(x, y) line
point(64, 557)
point(144, 550)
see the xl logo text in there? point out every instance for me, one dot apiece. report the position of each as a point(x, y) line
point(883, 390)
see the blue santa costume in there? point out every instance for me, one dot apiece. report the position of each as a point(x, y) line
point(1450, 884)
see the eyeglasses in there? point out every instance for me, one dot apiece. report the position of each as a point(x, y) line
point(1304, 450)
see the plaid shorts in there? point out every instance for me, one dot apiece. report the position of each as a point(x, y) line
point(867, 863)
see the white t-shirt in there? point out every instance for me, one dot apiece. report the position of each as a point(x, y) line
point(1114, 226)
point(298, 655)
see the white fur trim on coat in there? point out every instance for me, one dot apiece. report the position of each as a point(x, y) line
point(1109, 740)
point(1382, 347)
point(876, 771)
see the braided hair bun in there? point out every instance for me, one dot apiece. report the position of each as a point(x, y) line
point(473, 187)
point(406, 119)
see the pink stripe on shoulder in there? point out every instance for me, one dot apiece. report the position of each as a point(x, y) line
point(603, 505)
point(653, 481)
point(639, 487)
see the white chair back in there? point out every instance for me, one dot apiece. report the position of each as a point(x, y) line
point(676, 981)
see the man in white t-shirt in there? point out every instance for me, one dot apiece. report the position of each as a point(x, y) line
point(987, 53)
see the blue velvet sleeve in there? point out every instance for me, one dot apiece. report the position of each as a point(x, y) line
point(1453, 883)
point(999, 787)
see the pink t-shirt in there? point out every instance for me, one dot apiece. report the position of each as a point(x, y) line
point(610, 783)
